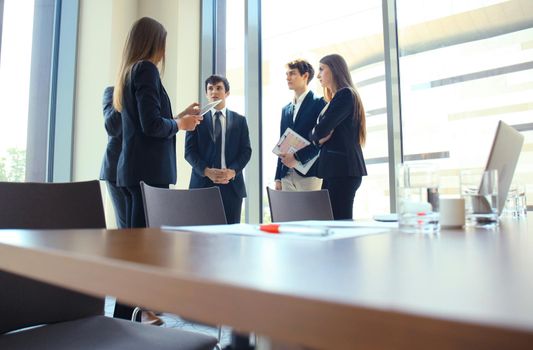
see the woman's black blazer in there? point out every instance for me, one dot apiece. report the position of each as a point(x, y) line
point(113, 127)
point(341, 155)
point(148, 130)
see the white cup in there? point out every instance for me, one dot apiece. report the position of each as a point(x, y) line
point(452, 212)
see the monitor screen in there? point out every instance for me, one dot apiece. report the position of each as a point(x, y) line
point(503, 157)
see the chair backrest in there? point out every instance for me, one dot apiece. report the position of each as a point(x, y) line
point(198, 206)
point(51, 205)
point(299, 205)
point(25, 302)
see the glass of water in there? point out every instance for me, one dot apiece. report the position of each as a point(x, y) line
point(479, 188)
point(418, 198)
point(516, 203)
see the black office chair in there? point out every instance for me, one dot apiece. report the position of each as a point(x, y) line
point(70, 320)
point(199, 206)
point(299, 205)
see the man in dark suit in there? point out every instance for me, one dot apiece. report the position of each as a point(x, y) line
point(300, 115)
point(219, 149)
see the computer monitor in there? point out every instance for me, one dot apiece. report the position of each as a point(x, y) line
point(503, 157)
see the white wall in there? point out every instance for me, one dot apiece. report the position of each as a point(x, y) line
point(103, 28)
point(182, 21)
point(188, 72)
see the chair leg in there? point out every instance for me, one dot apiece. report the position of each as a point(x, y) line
point(134, 313)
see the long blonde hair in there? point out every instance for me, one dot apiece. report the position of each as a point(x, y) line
point(343, 79)
point(146, 41)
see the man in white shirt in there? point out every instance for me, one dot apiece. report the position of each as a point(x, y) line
point(300, 115)
point(219, 149)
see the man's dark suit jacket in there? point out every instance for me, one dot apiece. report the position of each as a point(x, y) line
point(303, 124)
point(341, 155)
point(113, 126)
point(200, 150)
point(149, 132)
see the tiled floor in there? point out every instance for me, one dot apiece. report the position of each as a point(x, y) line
point(173, 321)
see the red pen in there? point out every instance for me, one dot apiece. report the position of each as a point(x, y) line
point(295, 229)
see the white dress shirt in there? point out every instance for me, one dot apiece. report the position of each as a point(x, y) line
point(297, 103)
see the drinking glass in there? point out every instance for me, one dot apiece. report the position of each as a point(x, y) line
point(479, 188)
point(418, 198)
point(516, 203)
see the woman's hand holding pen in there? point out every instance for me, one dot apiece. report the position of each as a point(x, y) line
point(189, 118)
point(192, 109)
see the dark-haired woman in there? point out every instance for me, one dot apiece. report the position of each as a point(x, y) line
point(340, 132)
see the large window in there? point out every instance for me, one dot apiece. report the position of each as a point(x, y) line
point(15, 66)
point(311, 30)
point(29, 76)
point(235, 53)
point(234, 59)
point(464, 66)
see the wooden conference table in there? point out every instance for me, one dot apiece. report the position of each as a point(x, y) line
point(459, 290)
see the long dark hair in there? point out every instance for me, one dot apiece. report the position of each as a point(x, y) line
point(343, 79)
point(146, 41)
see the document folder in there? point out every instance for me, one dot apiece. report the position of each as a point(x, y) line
point(291, 142)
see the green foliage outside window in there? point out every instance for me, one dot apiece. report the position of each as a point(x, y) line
point(13, 166)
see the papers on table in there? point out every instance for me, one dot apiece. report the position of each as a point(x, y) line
point(339, 230)
point(346, 223)
point(291, 142)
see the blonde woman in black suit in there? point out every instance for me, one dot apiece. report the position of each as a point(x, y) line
point(340, 133)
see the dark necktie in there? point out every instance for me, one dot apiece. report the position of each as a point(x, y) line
point(218, 141)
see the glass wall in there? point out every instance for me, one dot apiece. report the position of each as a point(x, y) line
point(28, 77)
point(234, 59)
point(464, 66)
point(15, 67)
point(310, 30)
point(235, 16)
